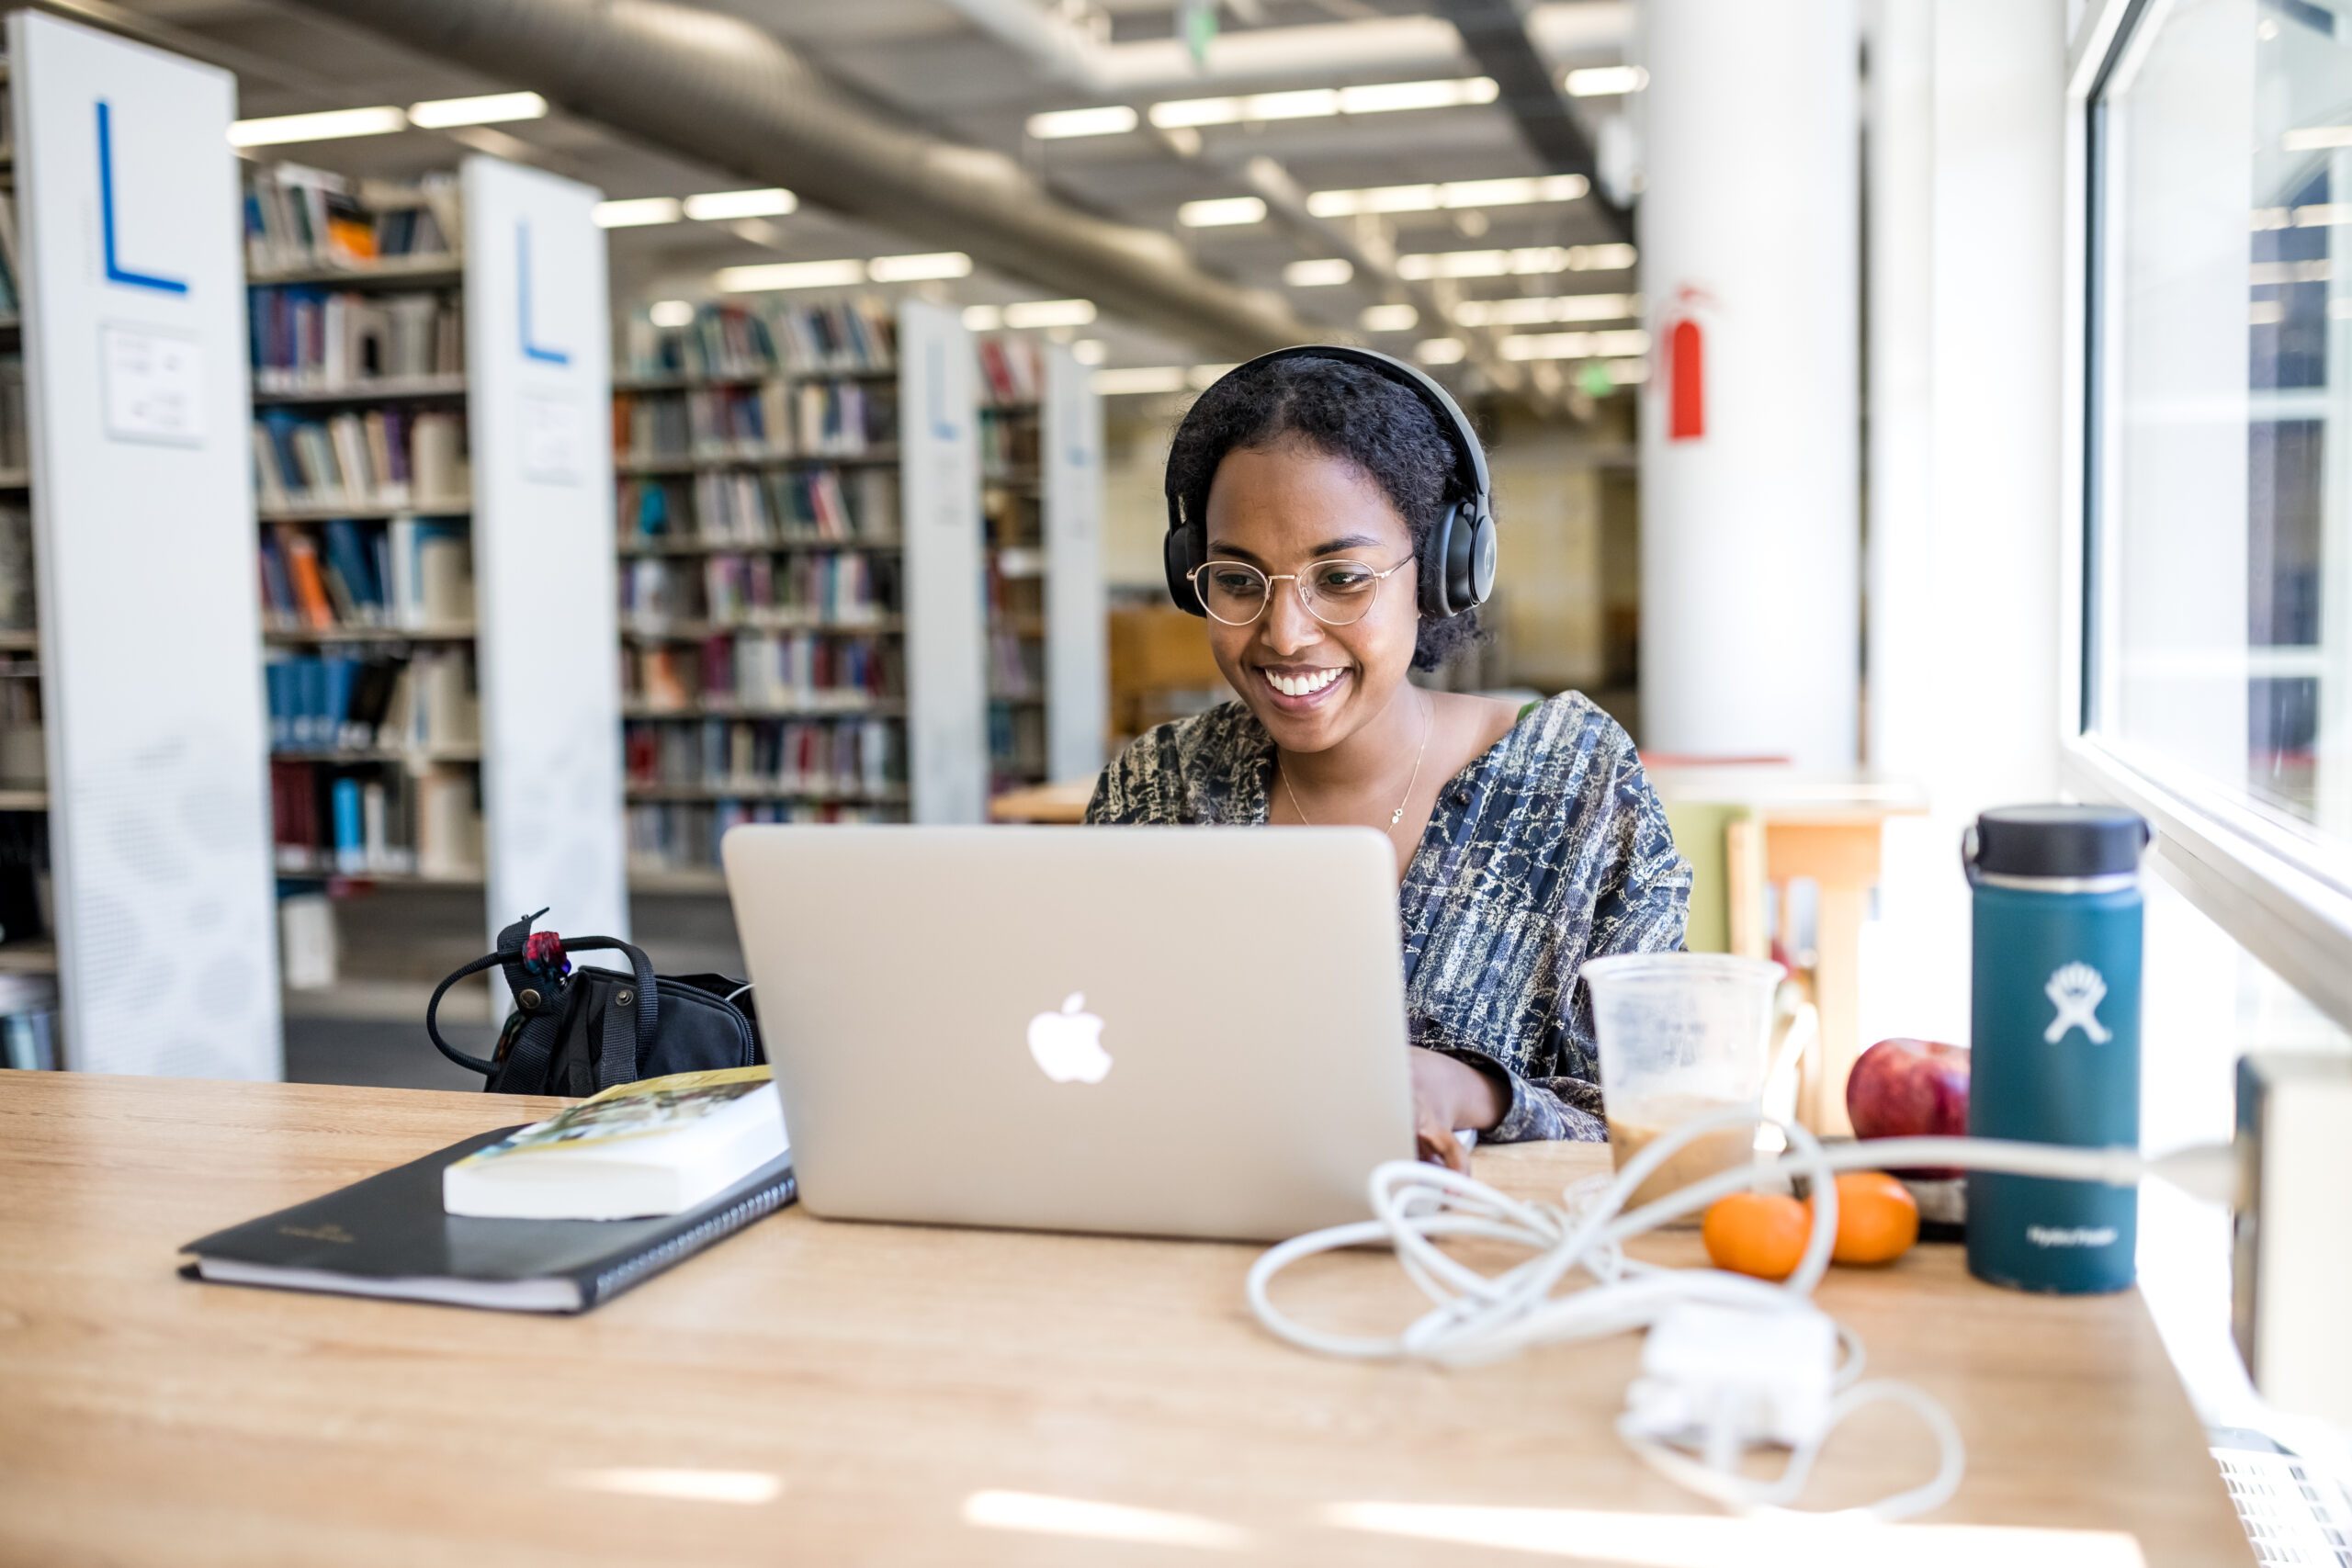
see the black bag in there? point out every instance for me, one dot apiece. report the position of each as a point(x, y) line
point(577, 1032)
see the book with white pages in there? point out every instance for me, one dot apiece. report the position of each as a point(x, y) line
point(657, 1146)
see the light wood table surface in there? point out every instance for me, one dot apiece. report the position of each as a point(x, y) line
point(1062, 802)
point(829, 1394)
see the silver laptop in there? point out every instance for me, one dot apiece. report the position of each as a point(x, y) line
point(1151, 1030)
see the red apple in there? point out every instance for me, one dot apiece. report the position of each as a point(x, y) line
point(1905, 1088)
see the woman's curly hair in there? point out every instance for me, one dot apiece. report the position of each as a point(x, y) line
point(1344, 410)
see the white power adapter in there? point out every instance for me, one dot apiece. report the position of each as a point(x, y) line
point(1718, 1380)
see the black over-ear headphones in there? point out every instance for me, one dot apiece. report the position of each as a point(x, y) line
point(1457, 561)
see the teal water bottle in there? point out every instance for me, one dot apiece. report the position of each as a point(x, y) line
point(2055, 1037)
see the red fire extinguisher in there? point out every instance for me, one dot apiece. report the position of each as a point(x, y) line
point(1683, 360)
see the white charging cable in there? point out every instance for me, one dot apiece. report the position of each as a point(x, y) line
point(1478, 1318)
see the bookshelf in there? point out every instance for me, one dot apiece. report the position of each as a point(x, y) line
point(131, 729)
point(770, 651)
point(428, 441)
point(1041, 485)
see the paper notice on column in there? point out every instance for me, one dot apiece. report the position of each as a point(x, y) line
point(155, 385)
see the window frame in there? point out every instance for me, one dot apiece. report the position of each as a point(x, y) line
point(2283, 895)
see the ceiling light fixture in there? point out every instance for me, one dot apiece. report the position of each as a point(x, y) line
point(1389, 319)
point(1111, 119)
point(1605, 80)
point(1514, 192)
point(1027, 314)
point(671, 313)
point(920, 269)
point(770, 201)
point(1319, 274)
point(328, 125)
point(1441, 351)
point(1089, 351)
point(1137, 379)
point(1532, 261)
point(489, 109)
point(771, 276)
point(1221, 212)
point(1560, 308)
point(633, 212)
point(2314, 137)
point(982, 318)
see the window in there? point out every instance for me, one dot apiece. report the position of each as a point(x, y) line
point(2217, 460)
point(2220, 481)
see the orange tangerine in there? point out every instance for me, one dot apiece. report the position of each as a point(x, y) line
point(1762, 1234)
point(1877, 1218)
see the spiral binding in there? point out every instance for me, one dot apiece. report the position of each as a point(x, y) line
point(734, 1217)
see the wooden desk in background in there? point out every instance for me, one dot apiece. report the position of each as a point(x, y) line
point(838, 1393)
point(1063, 802)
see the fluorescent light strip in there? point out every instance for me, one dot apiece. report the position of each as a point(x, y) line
point(1318, 103)
point(1452, 195)
point(1605, 80)
point(1441, 351)
point(1089, 350)
point(2313, 137)
point(1576, 345)
point(671, 313)
point(1221, 212)
point(1320, 274)
point(1137, 379)
point(1026, 314)
point(328, 125)
point(772, 275)
point(489, 109)
point(1389, 319)
point(1111, 119)
point(983, 318)
point(1532, 261)
point(918, 268)
point(1560, 308)
point(716, 206)
point(636, 211)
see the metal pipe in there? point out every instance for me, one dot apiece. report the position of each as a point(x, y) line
point(721, 91)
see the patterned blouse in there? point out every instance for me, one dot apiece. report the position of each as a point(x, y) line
point(1547, 849)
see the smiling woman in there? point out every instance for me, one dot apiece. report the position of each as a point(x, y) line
point(1328, 519)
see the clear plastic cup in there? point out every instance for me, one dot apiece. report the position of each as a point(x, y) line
point(1681, 1035)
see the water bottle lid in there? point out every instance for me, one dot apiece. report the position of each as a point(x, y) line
point(2060, 840)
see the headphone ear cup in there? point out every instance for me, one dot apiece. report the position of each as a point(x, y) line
point(1180, 559)
point(1477, 580)
point(1434, 567)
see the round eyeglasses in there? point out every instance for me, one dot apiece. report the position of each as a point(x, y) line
point(1336, 592)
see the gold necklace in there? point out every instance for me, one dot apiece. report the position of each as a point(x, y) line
point(1428, 714)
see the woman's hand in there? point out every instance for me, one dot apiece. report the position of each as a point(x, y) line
point(1449, 1093)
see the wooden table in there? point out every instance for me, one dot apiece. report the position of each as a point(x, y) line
point(834, 1394)
point(1063, 802)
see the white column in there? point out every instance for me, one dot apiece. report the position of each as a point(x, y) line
point(1749, 232)
point(538, 350)
point(135, 358)
point(939, 501)
point(1078, 688)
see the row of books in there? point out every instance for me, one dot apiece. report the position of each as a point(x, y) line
point(413, 572)
point(684, 837)
point(16, 446)
point(334, 821)
point(27, 1022)
point(416, 702)
point(384, 457)
point(307, 218)
point(1009, 443)
point(1012, 369)
point(813, 587)
point(816, 419)
point(1016, 664)
point(12, 298)
point(20, 598)
point(817, 757)
point(318, 339)
point(1016, 747)
point(762, 670)
point(775, 506)
point(776, 338)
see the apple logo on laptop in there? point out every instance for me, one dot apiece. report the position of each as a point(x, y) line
point(1068, 1044)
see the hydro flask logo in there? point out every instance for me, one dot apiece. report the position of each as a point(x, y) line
point(2075, 990)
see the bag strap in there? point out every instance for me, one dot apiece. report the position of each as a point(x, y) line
point(618, 1061)
point(432, 1010)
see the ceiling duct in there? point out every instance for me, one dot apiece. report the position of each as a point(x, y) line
point(720, 91)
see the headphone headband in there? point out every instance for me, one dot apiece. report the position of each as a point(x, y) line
point(1457, 559)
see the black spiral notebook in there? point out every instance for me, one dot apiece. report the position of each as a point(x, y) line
point(388, 1236)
